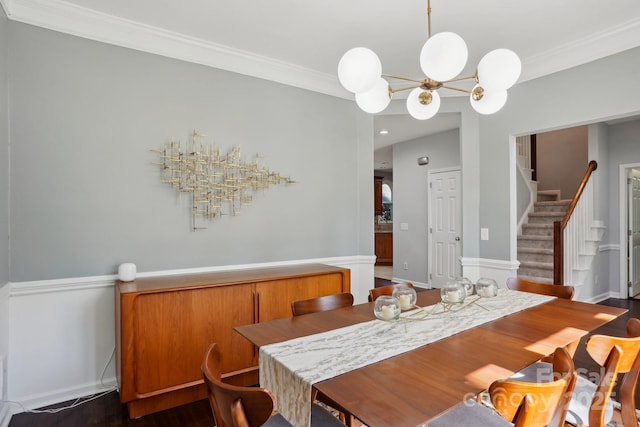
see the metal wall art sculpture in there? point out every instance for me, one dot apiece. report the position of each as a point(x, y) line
point(219, 184)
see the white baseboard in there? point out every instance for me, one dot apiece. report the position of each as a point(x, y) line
point(53, 397)
point(601, 297)
point(5, 414)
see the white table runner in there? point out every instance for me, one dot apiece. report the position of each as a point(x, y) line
point(290, 368)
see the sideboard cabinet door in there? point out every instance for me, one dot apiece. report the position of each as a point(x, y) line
point(275, 297)
point(174, 322)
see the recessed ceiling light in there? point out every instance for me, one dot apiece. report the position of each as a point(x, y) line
point(384, 132)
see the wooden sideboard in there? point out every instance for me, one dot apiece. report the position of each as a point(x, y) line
point(164, 325)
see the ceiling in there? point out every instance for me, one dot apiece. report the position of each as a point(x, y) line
point(300, 43)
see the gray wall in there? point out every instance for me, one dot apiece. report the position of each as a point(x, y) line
point(86, 197)
point(4, 151)
point(4, 200)
point(556, 101)
point(562, 159)
point(624, 149)
point(524, 195)
point(410, 202)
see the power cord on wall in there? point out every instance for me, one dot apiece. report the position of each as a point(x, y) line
point(79, 401)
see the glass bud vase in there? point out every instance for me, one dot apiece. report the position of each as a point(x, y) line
point(453, 293)
point(466, 284)
point(386, 307)
point(487, 288)
point(406, 296)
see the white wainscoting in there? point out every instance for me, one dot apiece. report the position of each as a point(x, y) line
point(61, 332)
point(498, 270)
point(5, 414)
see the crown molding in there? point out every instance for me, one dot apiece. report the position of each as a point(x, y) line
point(72, 19)
point(82, 22)
point(588, 49)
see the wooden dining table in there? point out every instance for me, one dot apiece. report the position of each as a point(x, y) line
point(411, 388)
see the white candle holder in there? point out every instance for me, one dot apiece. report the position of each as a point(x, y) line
point(466, 284)
point(386, 307)
point(406, 296)
point(453, 293)
point(486, 288)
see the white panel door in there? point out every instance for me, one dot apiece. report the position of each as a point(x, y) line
point(445, 227)
point(634, 232)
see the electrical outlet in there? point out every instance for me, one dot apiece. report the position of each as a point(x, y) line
point(405, 265)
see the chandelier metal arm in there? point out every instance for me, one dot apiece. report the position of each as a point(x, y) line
point(407, 79)
point(401, 89)
point(456, 88)
point(429, 16)
point(457, 79)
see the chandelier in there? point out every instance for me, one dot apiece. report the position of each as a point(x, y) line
point(442, 58)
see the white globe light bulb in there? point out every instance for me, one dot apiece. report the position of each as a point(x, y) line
point(359, 69)
point(491, 101)
point(376, 99)
point(499, 69)
point(443, 56)
point(421, 111)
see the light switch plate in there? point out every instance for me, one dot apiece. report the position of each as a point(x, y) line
point(484, 234)
point(404, 226)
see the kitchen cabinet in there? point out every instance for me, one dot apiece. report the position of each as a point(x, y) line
point(164, 325)
point(384, 248)
point(377, 195)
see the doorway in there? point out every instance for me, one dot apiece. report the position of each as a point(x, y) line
point(633, 231)
point(445, 226)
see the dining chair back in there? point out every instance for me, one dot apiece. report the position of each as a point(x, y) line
point(518, 403)
point(237, 406)
point(537, 404)
point(386, 290)
point(617, 356)
point(234, 406)
point(324, 303)
point(560, 291)
point(629, 382)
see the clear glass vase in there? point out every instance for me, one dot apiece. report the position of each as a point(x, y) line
point(406, 296)
point(466, 284)
point(486, 288)
point(453, 293)
point(386, 307)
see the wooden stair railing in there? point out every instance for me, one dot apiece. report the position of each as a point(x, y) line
point(559, 227)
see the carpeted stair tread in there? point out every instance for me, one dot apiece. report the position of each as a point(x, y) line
point(543, 251)
point(534, 237)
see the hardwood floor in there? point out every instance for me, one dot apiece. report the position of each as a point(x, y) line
point(108, 412)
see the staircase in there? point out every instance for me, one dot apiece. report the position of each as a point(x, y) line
point(535, 243)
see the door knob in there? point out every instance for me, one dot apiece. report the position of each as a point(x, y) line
point(457, 238)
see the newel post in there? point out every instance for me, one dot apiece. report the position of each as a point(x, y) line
point(558, 253)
